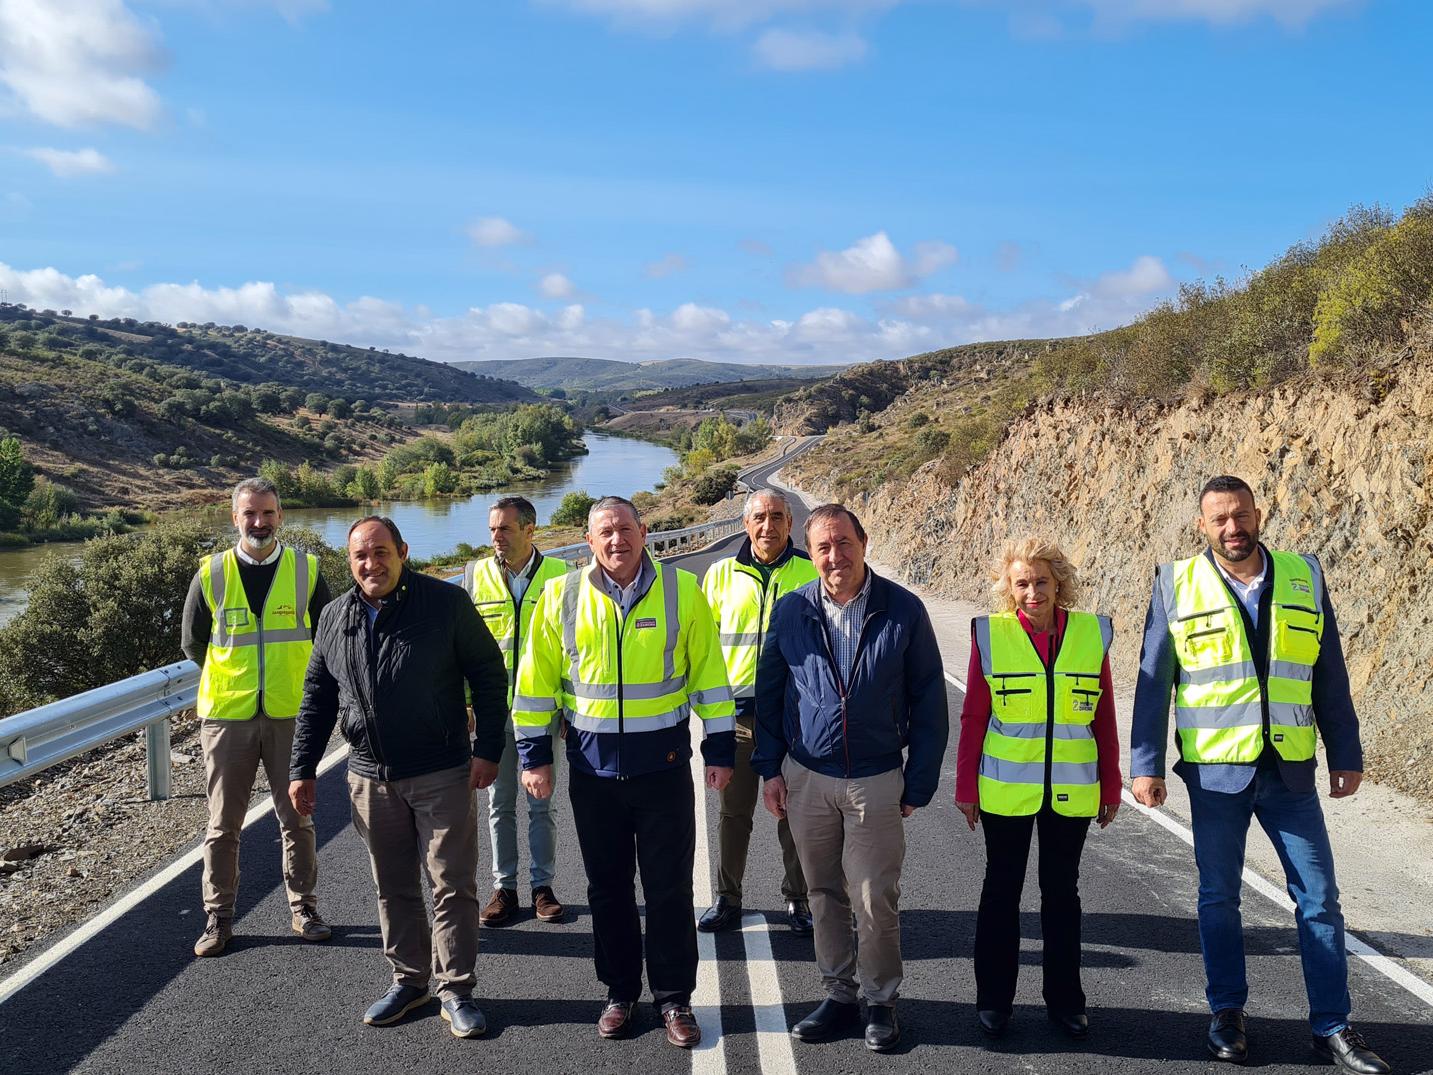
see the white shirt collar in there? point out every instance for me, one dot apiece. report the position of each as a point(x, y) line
point(266, 561)
point(1253, 584)
point(531, 554)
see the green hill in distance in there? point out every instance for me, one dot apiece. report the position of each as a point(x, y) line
point(610, 375)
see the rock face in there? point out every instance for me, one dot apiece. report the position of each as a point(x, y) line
point(1339, 470)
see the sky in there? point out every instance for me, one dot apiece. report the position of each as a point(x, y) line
point(794, 181)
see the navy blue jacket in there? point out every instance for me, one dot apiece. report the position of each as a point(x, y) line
point(1333, 707)
point(895, 702)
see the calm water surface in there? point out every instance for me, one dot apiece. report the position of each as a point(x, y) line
point(613, 465)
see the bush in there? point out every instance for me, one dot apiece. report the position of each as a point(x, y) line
point(573, 509)
point(714, 485)
point(49, 503)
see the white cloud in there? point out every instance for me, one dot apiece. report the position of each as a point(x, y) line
point(1291, 13)
point(872, 264)
point(1146, 276)
point(67, 163)
point(667, 266)
point(725, 14)
point(556, 286)
point(933, 307)
point(79, 62)
point(495, 231)
point(807, 50)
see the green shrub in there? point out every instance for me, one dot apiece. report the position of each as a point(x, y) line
point(714, 485)
point(573, 509)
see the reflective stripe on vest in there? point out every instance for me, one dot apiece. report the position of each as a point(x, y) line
point(250, 654)
point(486, 582)
point(742, 604)
point(1219, 700)
point(625, 672)
point(1030, 726)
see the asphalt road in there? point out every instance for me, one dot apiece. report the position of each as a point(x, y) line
point(134, 999)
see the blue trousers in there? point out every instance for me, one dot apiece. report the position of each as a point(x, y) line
point(502, 821)
point(1295, 824)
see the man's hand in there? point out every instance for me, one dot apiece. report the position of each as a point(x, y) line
point(773, 796)
point(1108, 812)
point(1343, 783)
point(302, 794)
point(718, 776)
point(971, 812)
point(907, 809)
point(1149, 791)
point(538, 782)
point(481, 773)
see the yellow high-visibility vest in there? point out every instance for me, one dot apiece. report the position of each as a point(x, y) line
point(250, 655)
point(1219, 700)
point(741, 601)
point(1041, 714)
point(508, 620)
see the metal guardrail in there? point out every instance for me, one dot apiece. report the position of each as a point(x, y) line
point(38, 738)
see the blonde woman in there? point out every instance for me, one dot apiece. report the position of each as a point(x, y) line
point(1038, 750)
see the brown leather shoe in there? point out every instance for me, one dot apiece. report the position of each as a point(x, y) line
point(500, 908)
point(616, 1019)
point(216, 935)
point(682, 1029)
point(545, 904)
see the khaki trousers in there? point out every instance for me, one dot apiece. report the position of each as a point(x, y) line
point(233, 752)
point(427, 823)
point(851, 839)
point(738, 804)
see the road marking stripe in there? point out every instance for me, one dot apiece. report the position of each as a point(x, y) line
point(773, 1038)
point(1356, 946)
point(708, 1058)
point(41, 963)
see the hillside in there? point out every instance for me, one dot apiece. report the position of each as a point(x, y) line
point(129, 413)
point(601, 374)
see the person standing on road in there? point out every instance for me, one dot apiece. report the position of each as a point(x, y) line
point(505, 588)
point(388, 667)
point(851, 726)
point(248, 621)
point(625, 649)
point(743, 591)
point(1038, 749)
point(1246, 640)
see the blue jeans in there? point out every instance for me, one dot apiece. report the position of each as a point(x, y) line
point(1295, 824)
point(502, 822)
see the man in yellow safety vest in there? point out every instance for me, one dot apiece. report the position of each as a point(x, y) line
point(248, 621)
point(1245, 639)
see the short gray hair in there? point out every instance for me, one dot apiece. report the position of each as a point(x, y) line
point(765, 494)
point(611, 503)
point(254, 487)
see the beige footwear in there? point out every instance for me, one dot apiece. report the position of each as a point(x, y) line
point(310, 926)
point(215, 937)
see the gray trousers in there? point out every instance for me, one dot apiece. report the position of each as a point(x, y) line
point(852, 841)
point(233, 752)
point(426, 824)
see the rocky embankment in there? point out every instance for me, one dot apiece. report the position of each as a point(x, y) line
point(1339, 469)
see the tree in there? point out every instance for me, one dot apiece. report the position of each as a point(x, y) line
point(714, 484)
point(316, 402)
point(573, 509)
point(17, 477)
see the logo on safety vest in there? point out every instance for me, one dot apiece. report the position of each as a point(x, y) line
point(645, 621)
point(1301, 586)
point(1278, 737)
point(284, 610)
point(1083, 705)
point(236, 617)
point(1062, 798)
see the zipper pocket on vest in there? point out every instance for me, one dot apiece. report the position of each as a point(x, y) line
point(1296, 627)
point(1201, 615)
point(1208, 631)
point(1022, 690)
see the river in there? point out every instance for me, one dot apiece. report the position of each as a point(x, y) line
point(612, 465)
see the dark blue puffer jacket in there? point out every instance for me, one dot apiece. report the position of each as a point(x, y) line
point(895, 702)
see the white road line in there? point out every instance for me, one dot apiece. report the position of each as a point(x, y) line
point(1356, 947)
point(773, 1038)
point(40, 964)
point(951, 679)
point(708, 1058)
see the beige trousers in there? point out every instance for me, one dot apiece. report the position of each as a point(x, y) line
point(233, 752)
point(427, 823)
point(852, 841)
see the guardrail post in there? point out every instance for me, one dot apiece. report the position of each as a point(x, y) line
point(156, 750)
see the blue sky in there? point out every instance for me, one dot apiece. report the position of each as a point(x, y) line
point(792, 181)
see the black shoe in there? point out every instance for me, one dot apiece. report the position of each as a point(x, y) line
point(1226, 1036)
point(798, 917)
point(723, 915)
point(831, 1019)
point(1076, 1026)
point(1349, 1051)
point(883, 1033)
point(993, 1023)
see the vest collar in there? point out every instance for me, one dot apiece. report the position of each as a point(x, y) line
point(747, 558)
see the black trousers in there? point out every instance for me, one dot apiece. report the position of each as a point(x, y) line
point(997, 926)
point(647, 823)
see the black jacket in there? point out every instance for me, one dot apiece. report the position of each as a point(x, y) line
point(396, 691)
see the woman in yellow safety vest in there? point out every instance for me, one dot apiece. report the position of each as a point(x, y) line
point(1038, 749)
